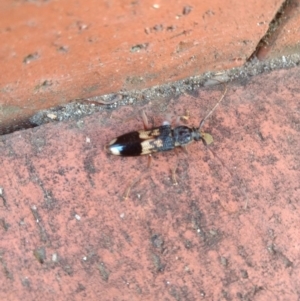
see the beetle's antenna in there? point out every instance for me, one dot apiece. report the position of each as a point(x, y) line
point(212, 110)
point(234, 176)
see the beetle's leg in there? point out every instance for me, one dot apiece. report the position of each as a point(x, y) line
point(149, 160)
point(185, 117)
point(145, 120)
point(173, 172)
point(129, 186)
point(179, 119)
point(184, 147)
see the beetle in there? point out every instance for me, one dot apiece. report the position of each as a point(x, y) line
point(159, 139)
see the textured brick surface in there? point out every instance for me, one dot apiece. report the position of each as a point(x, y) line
point(284, 38)
point(56, 51)
point(228, 231)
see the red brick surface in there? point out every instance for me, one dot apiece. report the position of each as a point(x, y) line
point(53, 52)
point(228, 231)
point(284, 39)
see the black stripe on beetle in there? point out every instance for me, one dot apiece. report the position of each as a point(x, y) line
point(159, 139)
